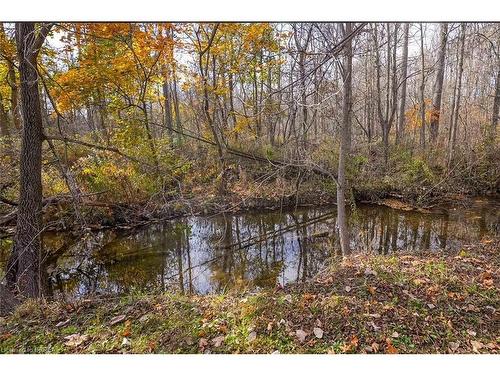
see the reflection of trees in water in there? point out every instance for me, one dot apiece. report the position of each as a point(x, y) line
point(212, 254)
point(384, 230)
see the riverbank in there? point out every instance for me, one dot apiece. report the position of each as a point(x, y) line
point(364, 304)
point(92, 213)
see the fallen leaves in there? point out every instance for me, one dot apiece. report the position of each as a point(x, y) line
point(203, 343)
point(301, 335)
point(63, 323)
point(75, 340)
point(217, 341)
point(390, 349)
point(252, 336)
point(476, 346)
point(486, 279)
point(471, 332)
point(318, 332)
point(127, 329)
point(351, 346)
point(117, 319)
point(370, 272)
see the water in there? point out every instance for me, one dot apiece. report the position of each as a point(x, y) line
point(214, 254)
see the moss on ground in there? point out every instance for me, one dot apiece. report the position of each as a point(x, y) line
point(365, 304)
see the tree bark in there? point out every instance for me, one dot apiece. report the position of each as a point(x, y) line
point(23, 268)
point(496, 104)
point(400, 131)
point(438, 84)
point(456, 107)
point(345, 145)
point(168, 106)
point(4, 121)
point(422, 89)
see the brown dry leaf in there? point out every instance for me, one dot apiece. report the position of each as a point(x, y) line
point(453, 345)
point(252, 336)
point(488, 283)
point(151, 346)
point(471, 332)
point(492, 345)
point(476, 346)
point(376, 316)
point(117, 319)
point(63, 323)
point(395, 335)
point(390, 348)
point(217, 341)
point(372, 290)
point(354, 341)
point(75, 340)
point(223, 328)
point(5, 336)
point(127, 330)
point(203, 343)
point(309, 297)
point(301, 335)
point(318, 332)
point(375, 347)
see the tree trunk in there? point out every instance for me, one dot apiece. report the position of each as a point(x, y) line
point(175, 98)
point(422, 89)
point(168, 106)
point(14, 92)
point(400, 131)
point(23, 268)
point(496, 105)
point(438, 84)
point(345, 145)
point(456, 107)
point(4, 121)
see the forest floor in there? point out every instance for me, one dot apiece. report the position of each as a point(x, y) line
point(364, 304)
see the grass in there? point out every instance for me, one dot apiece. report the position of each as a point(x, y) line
point(376, 304)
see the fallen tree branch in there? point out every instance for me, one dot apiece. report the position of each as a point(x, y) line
point(96, 146)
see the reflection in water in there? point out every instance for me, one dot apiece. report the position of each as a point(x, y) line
point(210, 255)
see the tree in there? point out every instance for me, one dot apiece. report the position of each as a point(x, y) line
point(496, 100)
point(404, 72)
point(438, 83)
point(345, 146)
point(422, 88)
point(23, 267)
point(456, 105)
point(386, 109)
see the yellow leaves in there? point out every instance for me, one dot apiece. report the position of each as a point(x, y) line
point(413, 116)
point(242, 123)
